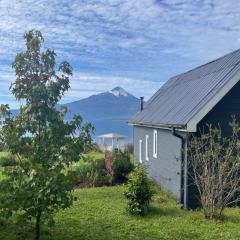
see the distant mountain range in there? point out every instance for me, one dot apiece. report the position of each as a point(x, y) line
point(108, 111)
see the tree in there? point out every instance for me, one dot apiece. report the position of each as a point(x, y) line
point(215, 168)
point(40, 184)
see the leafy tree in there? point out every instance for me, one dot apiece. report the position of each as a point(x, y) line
point(40, 185)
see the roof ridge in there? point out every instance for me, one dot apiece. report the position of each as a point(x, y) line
point(177, 101)
point(219, 83)
point(215, 71)
point(205, 64)
point(182, 74)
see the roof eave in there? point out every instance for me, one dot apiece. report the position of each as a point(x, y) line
point(168, 126)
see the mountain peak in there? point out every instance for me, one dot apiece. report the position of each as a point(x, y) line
point(118, 91)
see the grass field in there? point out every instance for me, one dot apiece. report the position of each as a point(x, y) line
point(100, 214)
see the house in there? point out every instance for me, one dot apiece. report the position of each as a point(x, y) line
point(111, 141)
point(185, 104)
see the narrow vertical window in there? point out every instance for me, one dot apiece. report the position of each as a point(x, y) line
point(155, 143)
point(140, 150)
point(146, 147)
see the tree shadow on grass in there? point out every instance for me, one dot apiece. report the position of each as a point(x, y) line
point(11, 229)
point(164, 211)
point(231, 218)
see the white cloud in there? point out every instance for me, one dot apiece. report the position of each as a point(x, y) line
point(135, 43)
point(94, 26)
point(84, 85)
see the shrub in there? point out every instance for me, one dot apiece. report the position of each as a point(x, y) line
point(94, 171)
point(215, 169)
point(122, 166)
point(81, 169)
point(91, 172)
point(129, 148)
point(139, 192)
point(7, 159)
point(2, 146)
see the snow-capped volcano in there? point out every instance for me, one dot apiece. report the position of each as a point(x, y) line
point(108, 111)
point(118, 91)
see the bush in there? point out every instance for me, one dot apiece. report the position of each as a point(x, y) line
point(81, 169)
point(2, 146)
point(91, 172)
point(129, 148)
point(215, 168)
point(94, 171)
point(122, 166)
point(139, 192)
point(7, 159)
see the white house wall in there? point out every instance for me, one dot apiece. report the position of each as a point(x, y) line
point(166, 168)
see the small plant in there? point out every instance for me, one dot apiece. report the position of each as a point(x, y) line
point(139, 192)
point(122, 166)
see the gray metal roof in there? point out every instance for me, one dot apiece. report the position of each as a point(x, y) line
point(184, 95)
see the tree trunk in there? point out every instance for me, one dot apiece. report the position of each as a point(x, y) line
point(37, 225)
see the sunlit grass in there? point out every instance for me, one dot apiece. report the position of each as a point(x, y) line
point(100, 214)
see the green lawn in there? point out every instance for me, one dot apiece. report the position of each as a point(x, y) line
point(99, 213)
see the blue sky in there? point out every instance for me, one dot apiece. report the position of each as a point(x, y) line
point(136, 44)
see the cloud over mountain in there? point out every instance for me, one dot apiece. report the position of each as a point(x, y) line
point(144, 41)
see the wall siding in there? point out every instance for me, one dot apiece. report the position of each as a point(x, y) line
point(166, 168)
point(220, 115)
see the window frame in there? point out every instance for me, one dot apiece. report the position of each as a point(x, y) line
point(140, 151)
point(146, 147)
point(155, 143)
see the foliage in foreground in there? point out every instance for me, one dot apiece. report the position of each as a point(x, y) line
point(139, 191)
point(43, 142)
point(215, 165)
